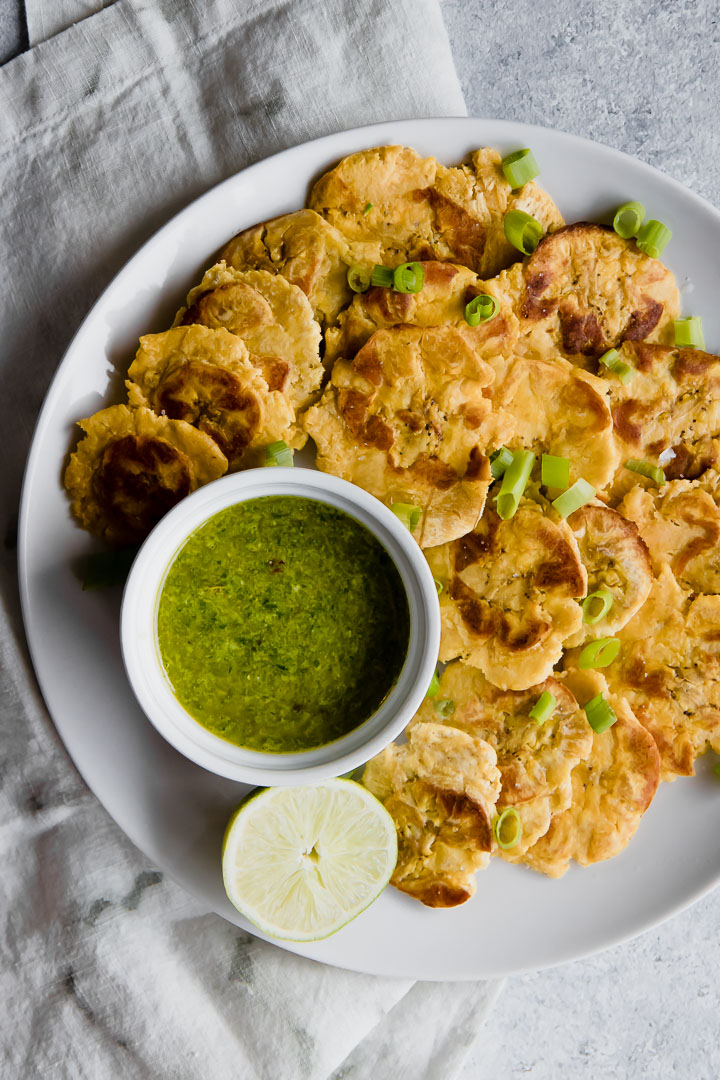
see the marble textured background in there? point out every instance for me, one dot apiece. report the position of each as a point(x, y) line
point(647, 81)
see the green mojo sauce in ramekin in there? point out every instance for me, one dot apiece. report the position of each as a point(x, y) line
point(282, 624)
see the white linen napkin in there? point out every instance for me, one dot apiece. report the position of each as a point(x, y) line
point(106, 129)
point(45, 18)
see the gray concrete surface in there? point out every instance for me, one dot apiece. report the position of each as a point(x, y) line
point(12, 29)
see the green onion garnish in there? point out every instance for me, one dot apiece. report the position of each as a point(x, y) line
point(628, 219)
point(689, 333)
point(596, 605)
point(599, 653)
point(103, 569)
point(653, 238)
point(408, 278)
point(367, 209)
point(522, 231)
point(625, 372)
point(508, 829)
point(434, 686)
point(278, 453)
point(611, 360)
point(576, 496)
point(555, 471)
point(543, 707)
point(408, 514)
point(599, 714)
point(646, 468)
point(499, 462)
point(382, 276)
point(438, 585)
point(716, 768)
point(481, 309)
point(514, 482)
point(445, 707)
point(358, 278)
point(519, 168)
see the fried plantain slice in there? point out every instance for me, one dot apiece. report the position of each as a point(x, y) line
point(446, 291)
point(510, 594)
point(680, 523)
point(616, 559)
point(585, 290)
point(273, 318)
point(309, 252)
point(668, 669)
point(401, 420)
point(132, 466)
point(672, 403)
point(535, 760)
point(611, 788)
point(440, 788)
point(551, 407)
point(205, 377)
point(419, 209)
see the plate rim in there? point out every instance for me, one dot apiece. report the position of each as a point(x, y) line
point(355, 134)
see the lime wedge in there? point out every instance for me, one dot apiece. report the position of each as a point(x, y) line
point(301, 862)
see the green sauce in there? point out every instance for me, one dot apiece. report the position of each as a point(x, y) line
point(282, 624)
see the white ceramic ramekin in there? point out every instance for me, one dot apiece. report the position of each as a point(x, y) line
point(142, 657)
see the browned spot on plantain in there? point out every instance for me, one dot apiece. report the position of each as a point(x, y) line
point(478, 615)
point(215, 401)
point(580, 333)
point(642, 323)
point(140, 478)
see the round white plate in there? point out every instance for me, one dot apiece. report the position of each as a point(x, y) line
point(175, 811)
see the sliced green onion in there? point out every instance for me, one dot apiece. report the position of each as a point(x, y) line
point(519, 168)
point(499, 461)
point(625, 372)
point(576, 496)
point(508, 820)
point(358, 278)
point(434, 686)
point(278, 453)
point(628, 219)
point(514, 482)
point(555, 471)
point(407, 513)
point(382, 276)
point(599, 714)
point(409, 277)
point(438, 586)
point(367, 209)
point(543, 707)
point(596, 605)
point(611, 360)
point(689, 333)
point(599, 653)
point(481, 309)
point(716, 768)
point(103, 569)
point(522, 231)
point(653, 238)
point(646, 468)
point(445, 707)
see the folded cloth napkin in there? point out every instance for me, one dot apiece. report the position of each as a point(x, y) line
point(45, 18)
point(106, 129)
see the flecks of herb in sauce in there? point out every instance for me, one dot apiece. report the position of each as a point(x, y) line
point(282, 624)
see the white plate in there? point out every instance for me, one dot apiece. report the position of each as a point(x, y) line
point(175, 811)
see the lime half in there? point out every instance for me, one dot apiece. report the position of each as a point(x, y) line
point(300, 862)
